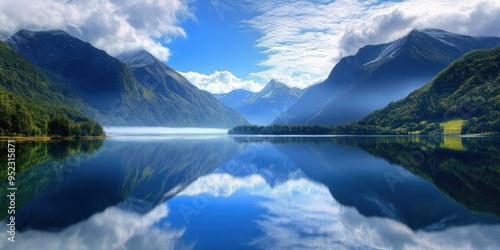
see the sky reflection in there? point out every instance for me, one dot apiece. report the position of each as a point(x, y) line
point(112, 229)
point(301, 214)
point(296, 214)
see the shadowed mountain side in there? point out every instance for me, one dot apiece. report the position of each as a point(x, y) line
point(31, 101)
point(152, 95)
point(464, 98)
point(174, 100)
point(468, 90)
point(99, 79)
point(379, 74)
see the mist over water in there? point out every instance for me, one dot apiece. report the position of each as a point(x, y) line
point(161, 131)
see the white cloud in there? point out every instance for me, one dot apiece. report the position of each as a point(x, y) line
point(303, 40)
point(113, 25)
point(221, 82)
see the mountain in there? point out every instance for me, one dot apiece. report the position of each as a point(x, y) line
point(379, 74)
point(34, 105)
point(263, 107)
point(175, 101)
point(465, 95)
point(111, 88)
point(234, 99)
point(99, 79)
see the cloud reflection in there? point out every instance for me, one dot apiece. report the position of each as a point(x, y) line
point(303, 215)
point(112, 229)
point(299, 214)
point(223, 185)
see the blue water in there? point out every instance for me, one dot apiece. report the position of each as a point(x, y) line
point(218, 192)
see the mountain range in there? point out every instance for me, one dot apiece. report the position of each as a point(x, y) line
point(48, 73)
point(379, 74)
point(263, 107)
point(140, 90)
point(464, 98)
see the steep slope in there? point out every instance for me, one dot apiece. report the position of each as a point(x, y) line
point(263, 107)
point(30, 99)
point(469, 90)
point(379, 74)
point(91, 73)
point(99, 79)
point(108, 86)
point(174, 100)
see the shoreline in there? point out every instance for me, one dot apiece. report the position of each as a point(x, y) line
point(49, 138)
point(360, 135)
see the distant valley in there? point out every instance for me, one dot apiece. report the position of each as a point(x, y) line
point(263, 107)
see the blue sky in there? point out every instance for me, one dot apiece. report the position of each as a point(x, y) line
point(216, 40)
point(221, 45)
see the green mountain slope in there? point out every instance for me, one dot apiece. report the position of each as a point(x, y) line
point(147, 94)
point(466, 90)
point(31, 101)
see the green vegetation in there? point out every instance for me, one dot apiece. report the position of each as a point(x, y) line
point(281, 129)
point(453, 127)
point(462, 99)
point(33, 105)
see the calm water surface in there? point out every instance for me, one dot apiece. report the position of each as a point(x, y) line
point(194, 191)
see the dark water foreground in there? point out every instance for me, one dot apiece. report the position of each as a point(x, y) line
point(219, 192)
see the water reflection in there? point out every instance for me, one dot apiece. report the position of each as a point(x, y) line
point(42, 164)
point(261, 193)
point(299, 214)
point(136, 175)
point(379, 183)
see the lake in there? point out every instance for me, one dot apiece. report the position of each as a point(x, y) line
point(212, 191)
